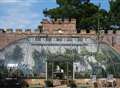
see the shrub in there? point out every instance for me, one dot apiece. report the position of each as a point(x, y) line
point(48, 83)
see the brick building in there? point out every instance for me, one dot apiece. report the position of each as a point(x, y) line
point(53, 26)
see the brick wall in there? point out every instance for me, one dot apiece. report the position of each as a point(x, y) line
point(53, 27)
point(56, 27)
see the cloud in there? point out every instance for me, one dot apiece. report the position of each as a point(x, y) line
point(22, 13)
point(18, 16)
point(28, 1)
point(14, 1)
point(19, 20)
point(20, 2)
point(8, 1)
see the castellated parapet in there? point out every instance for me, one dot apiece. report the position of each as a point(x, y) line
point(18, 31)
point(9, 30)
point(57, 31)
point(66, 26)
point(58, 27)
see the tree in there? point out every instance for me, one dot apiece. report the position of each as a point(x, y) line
point(38, 59)
point(115, 8)
point(16, 56)
point(114, 13)
point(83, 11)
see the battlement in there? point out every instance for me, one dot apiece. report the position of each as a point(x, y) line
point(55, 26)
point(58, 27)
point(89, 31)
point(59, 21)
point(18, 31)
point(56, 31)
point(8, 36)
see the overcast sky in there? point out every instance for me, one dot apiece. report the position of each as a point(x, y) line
point(28, 13)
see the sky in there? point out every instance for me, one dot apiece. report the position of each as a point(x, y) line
point(27, 14)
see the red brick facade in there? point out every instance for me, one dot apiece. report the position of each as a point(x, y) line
point(62, 26)
point(58, 27)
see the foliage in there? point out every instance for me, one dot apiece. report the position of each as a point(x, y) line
point(85, 13)
point(15, 72)
point(84, 51)
point(112, 61)
point(3, 72)
point(12, 83)
point(26, 71)
point(61, 59)
point(114, 13)
point(16, 56)
point(39, 61)
point(115, 8)
point(100, 57)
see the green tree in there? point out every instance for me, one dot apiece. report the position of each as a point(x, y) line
point(114, 13)
point(85, 13)
point(115, 8)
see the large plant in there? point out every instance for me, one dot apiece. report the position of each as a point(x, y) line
point(16, 56)
point(39, 61)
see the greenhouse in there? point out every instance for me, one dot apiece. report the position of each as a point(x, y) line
point(72, 57)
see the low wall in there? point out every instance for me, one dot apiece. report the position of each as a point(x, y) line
point(86, 82)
